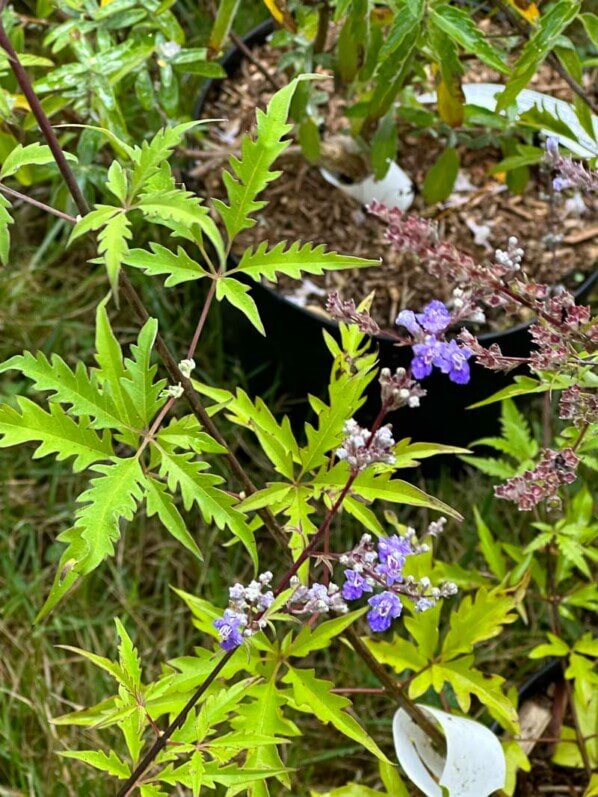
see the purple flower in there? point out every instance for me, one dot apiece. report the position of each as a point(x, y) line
point(392, 552)
point(552, 147)
point(393, 546)
point(561, 183)
point(425, 354)
point(354, 586)
point(229, 627)
point(407, 319)
point(424, 604)
point(385, 608)
point(452, 360)
point(435, 317)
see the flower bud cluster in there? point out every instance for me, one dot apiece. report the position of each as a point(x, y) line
point(361, 449)
point(399, 389)
point(244, 616)
point(317, 599)
point(377, 569)
point(570, 174)
point(510, 260)
point(579, 406)
point(554, 469)
point(345, 310)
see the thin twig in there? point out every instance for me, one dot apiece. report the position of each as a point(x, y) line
point(177, 722)
point(238, 41)
point(416, 714)
point(36, 204)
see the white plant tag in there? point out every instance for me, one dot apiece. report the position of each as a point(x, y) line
point(484, 95)
point(394, 190)
point(475, 763)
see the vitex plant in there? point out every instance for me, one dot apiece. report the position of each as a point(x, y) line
point(150, 435)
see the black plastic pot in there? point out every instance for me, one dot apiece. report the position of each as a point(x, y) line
point(538, 684)
point(294, 354)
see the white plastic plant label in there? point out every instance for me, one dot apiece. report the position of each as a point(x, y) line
point(484, 95)
point(474, 765)
point(395, 189)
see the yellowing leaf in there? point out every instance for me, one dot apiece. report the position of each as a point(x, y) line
point(526, 9)
point(280, 12)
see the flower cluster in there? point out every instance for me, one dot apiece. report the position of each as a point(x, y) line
point(399, 389)
point(569, 173)
point(345, 310)
point(360, 448)
point(554, 469)
point(377, 569)
point(317, 599)
point(244, 616)
point(579, 406)
point(429, 349)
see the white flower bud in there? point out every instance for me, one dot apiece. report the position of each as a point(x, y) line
point(186, 367)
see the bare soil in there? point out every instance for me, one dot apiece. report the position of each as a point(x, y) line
point(479, 216)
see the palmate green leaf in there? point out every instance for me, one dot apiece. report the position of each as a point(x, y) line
point(364, 515)
point(554, 647)
point(478, 618)
point(276, 438)
point(308, 640)
point(550, 26)
point(138, 378)
point(212, 773)
point(111, 497)
point(381, 486)
point(186, 433)
point(425, 630)
point(461, 27)
point(522, 386)
point(96, 218)
point(295, 260)
point(149, 157)
point(5, 220)
point(313, 696)
point(408, 454)
point(179, 266)
point(238, 295)
point(399, 654)
point(263, 716)
point(30, 155)
point(128, 657)
point(176, 205)
point(99, 760)
point(117, 181)
point(113, 246)
point(251, 173)
point(215, 505)
point(516, 431)
point(159, 502)
point(491, 548)
point(492, 467)
point(111, 370)
point(56, 433)
point(466, 682)
point(346, 396)
point(75, 388)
